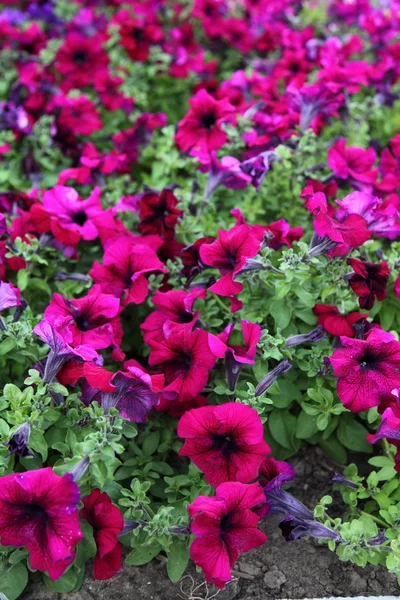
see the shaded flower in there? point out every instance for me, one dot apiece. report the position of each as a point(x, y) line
point(226, 442)
point(107, 523)
point(185, 358)
point(38, 510)
point(158, 213)
point(330, 318)
point(225, 526)
point(368, 281)
point(202, 125)
point(368, 370)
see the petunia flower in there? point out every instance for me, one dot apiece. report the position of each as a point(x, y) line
point(9, 295)
point(202, 125)
point(126, 265)
point(235, 355)
point(89, 321)
point(80, 60)
point(369, 281)
point(158, 213)
point(225, 526)
point(353, 164)
point(228, 254)
point(382, 217)
point(19, 440)
point(107, 523)
point(225, 442)
point(186, 360)
point(173, 309)
point(368, 370)
point(38, 510)
point(330, 318)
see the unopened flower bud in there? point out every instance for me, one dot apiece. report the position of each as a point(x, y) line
point(18, 443)
point(80, 469)
point(313, 336)
point(272, 376)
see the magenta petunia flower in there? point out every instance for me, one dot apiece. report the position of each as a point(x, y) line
point(382, 217)
point(389, 428)
point(107, 522)
point(220, 344)
point(228, 254)
point(89, 321)
point(353, 164)
point(71, 213)
point(349, 233)
point(9, 295)
point(225, 526)
point(126, 265)
point(38, 510)
point(330, 318)
point(80, 60)
point(174, 309)
point(202, 124)
point(226, 442)
point(186, 360)
point(368, 370)
point(369, 281)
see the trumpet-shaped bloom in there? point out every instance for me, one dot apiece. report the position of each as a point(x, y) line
point(107, 523)
point(226, 442)
point(186, 359)
point(368, 370)
point(38, 510)
point(225, 526)
point(369, 281)
point(330, 318)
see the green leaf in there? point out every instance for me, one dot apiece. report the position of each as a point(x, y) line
point(178, 558)
point(11, 392)
point(306, 426)
point(150, 443)
point(22, 279)
point(86, 548)
point(6, 346)
point(281, 313)
point(353, 435)
point(13, 581)
point(38, 444)
point(282, 425)
point(143, 555)
point(334, 449)
point(64, 584)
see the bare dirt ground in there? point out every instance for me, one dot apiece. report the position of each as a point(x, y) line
point(291, 570)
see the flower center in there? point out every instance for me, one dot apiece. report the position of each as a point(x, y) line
point(82, 322)
point(368, 362)
point(34, 511)
point(80, 218)
point(207, 121)
point(225, 444)
point(80, 56)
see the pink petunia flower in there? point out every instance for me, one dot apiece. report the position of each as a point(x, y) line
point(202, 124)
point(226, 442)
point(228, 254)
point(107, 522)
point(186, 359)
point(369, 281)
point(174, 309)
point(368, 370)
point(126, 265)
point(38, 510)
point(353, 164)
point(9, 295)
point(225, 526)
point(89, 321)
point(330, 318)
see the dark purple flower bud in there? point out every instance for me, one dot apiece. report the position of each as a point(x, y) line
point(338, 478)
point(283, 367)
point(282, 502)
point(18, 442)
point(313, 336)
point(80, 469)
point(293, 529)
point(130, 526)
point(19, 310)
point(379, 539)
point(62, 276)
point(233, 368)
point(320, 245)
point(179, 530)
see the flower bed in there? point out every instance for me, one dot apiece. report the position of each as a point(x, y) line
point(198, 278)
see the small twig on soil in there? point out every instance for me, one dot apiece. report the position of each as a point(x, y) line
point(242, 575)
